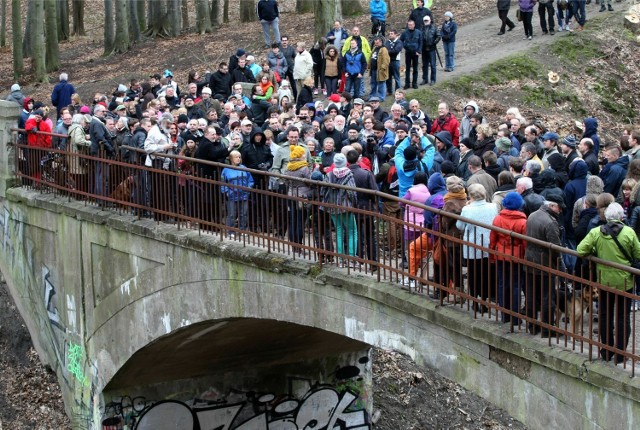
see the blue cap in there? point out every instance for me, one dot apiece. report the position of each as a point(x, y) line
point(551, 136)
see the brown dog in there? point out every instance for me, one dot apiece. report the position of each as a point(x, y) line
point(574, 304)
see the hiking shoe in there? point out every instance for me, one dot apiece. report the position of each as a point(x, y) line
point(500, 33)
point(610, 8)
point(603, 8)
point(530, 37)
point(552, 32)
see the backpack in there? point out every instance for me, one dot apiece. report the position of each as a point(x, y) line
point(392, 184)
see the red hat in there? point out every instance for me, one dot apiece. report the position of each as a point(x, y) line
point(334, 98)
point(85, 109)
point(103, 104)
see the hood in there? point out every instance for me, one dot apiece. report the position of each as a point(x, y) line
point(623, 161)
point(594, 185)
point(26, 101)
point(473, 105)
point(254, 134)
point(445, 137)
point(547, 179)
point(578, 169)
point(436, 183)
point(590, 126)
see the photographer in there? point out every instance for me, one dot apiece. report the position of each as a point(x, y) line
point(257, 155)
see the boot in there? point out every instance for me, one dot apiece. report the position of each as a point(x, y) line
point(603, 7)
point(610, 8)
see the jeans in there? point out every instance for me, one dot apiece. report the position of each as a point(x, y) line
point(577, 9)
point(526, 22)
point(394, 75)
point(378, 88)
point(429, 62)
point(237, 209)
point(353, 85)
point(509, 289)
point(265, 30)
point(543, 10)
point(411, 62)
point(331, 84)
point(506, 22)
point(449, 55)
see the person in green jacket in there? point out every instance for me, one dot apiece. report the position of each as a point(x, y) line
point(600, 243)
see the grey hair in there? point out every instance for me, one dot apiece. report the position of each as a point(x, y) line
point(614, 212)
point(533, 166)
point(64, 76)
point(78, 118)
point(124, 121)
point(477, 192)
point(525, 182)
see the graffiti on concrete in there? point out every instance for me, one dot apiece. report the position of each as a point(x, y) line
point(75, 362)
point(323, 408)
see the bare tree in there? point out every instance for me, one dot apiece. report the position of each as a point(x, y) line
point(173, 18)
point(109, 28)
point(325, 12)
point(121, 42)
point(158, 22)
point(142, 23)
point(63, 19)
point(184, 8)
point(247, 10)
point(225, 11)
point(38, 43)
point(203, 23)
point(215, 13)
point(305, 6)
point(27, 42)
point(3, 24)
point(51, 40)
point(135, 32)
point(16, 24)
point(78, 18)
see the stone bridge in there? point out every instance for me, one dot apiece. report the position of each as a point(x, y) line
point(176, 329)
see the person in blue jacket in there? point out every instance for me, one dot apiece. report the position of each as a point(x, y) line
point(236, 199)
point(414, 154)
point(378, 10)
point(448, 34)
point(354, 66)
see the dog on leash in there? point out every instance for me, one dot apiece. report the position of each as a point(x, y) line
point(574, 304)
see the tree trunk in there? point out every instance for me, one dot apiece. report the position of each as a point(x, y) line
point(351, 8)
point(173, 17)
point(63, 19)
point(27, 42)
point(225, 12)
point(78, 18)
point(158, 23)
point(306, 6)
point(326, 12)
point(109, 30)
point(121, 41)
point(37, 42)
point(51, 22)
point(247, 10)
point(135, 35)
point(203, 24)
point(142, 23)
point(16, 25)
point(184, 8)
point(3, 24)
point(215, 13)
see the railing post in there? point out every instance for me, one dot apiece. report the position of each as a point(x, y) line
point(9, 114)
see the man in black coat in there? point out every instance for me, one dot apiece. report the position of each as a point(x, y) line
point(220, 82)
point(256, 155)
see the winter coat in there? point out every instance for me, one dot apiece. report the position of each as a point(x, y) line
point(447, 224)
point(16, 97)
point(302, 65)
point(532, 201)
point(100, 138)
point(417, 15)
point(591, 131)
point(526, 5)
point(344, 34)
point(448, 31)
point(574, 190)
point(210, 151)
point(61, 95)
point(613, 174)
point(37, 139)
point(354, 63)
point(502, 191)
point(483, 178)
point(582, 228)
point(236, 178)
point(418, 194)
point(77, 143)
point(447, 123)
point(544, 225)
point(504, 4)
point(462, 169)
point(407, 170)
point(344, 198)
point(363, 45)
point(378, 9)
point(514, 221)
point(465, 123)
point(412, 41)
point(430, 37)
point(479, 211)
point(278, 63)
point(257, 156)
point(599, 243)
point(220, 84)
point(437, 187)
point(383, 62)
point(394, 47)
point(592, 162)
point(364, 180)
point(267, 10)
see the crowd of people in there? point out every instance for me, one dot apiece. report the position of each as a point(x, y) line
point(511, 172)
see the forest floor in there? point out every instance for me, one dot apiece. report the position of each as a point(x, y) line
point(599, 74)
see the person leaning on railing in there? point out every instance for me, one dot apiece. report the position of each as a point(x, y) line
point(36, 126)
point(618, 243)
point(78, 143)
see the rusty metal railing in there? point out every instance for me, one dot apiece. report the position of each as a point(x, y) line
point(540, 299)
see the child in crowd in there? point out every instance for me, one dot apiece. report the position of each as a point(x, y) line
point(236, 202)
point(626, 188)
point(186, 168)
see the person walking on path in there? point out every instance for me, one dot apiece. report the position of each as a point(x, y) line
point(503, 12)
point(412, 40)
point(448, 32)
point(269, 16)
point(545, 7)
point(62, 92)
point(526, 12)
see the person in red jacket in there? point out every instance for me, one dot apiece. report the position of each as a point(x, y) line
point(34, 124)
point(509, 273)
point(446, 121)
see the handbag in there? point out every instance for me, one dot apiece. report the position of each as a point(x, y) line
point(518, 15)
point(633, 262)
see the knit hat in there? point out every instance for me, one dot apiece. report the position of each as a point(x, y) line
point(466, 142)
point(297, 152)
point(182, 118)
point(240, 52)
point(402, 127)
point(316, 176)
point(449, 14)
point(15, 87)
point(504, 144)
point(335, 98)
point(38, 112)
point(455, 184)
point(168, 73)
point(339, 161)
point(122, 88)
point(447, 167)
point(354, 126)
point(570, 141)
point(512, 201)
point(246, 122)
point(555, 198)
point(410, 153)
point(206, 90)
point(85, 109)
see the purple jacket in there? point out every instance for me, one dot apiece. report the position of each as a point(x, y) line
point(526, 5)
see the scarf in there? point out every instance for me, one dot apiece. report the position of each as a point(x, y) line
point(455, 195)
point(297, 164)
